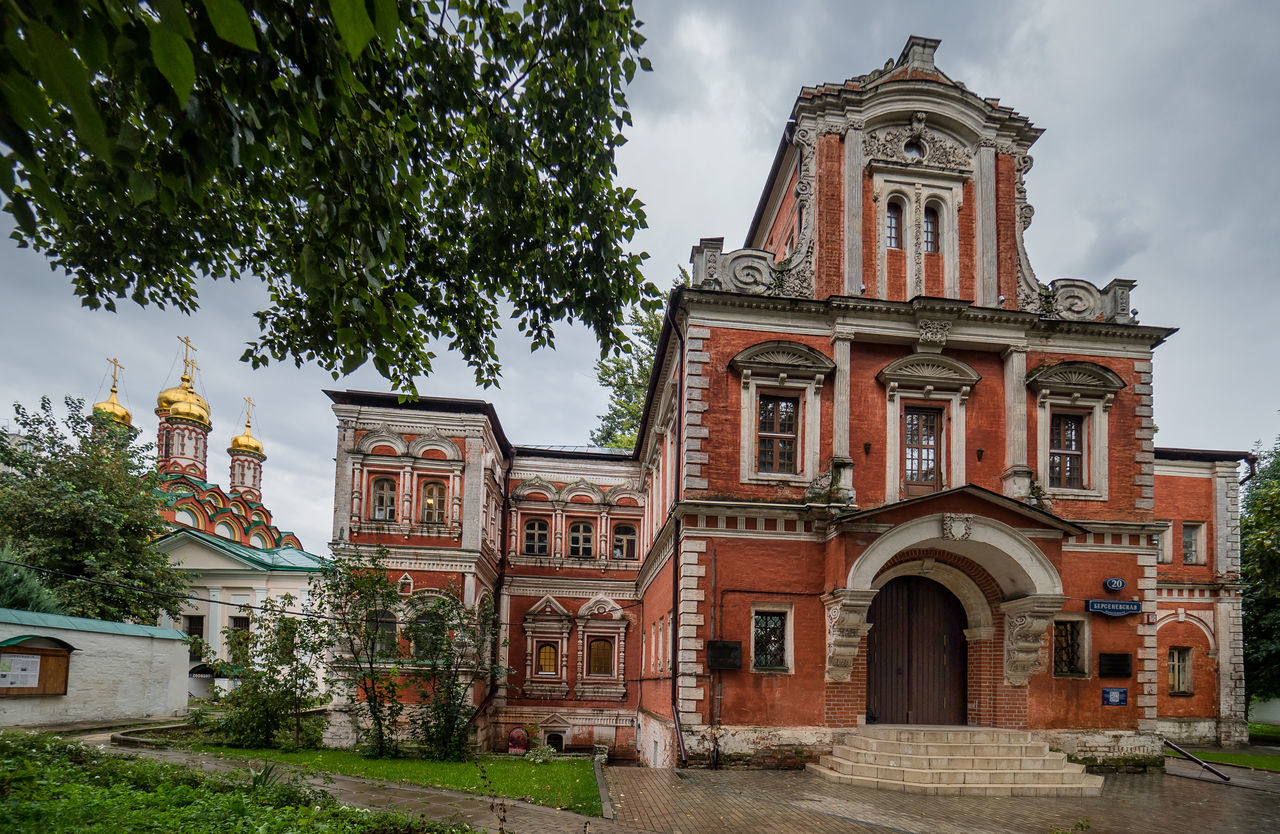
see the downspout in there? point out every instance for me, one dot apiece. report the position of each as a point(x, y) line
point(677, 470)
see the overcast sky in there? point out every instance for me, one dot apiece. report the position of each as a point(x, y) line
point(1158, 164)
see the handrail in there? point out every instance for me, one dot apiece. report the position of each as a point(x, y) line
point(1224, 777)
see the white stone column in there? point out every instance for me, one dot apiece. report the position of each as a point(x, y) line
point(1017, 474)
point(988, 291)
point(214, 626)
point(473, 494)
point(841, 460)
point(853, 164)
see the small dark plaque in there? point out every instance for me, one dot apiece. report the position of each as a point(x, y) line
point(1115, 665)
point(724, 654)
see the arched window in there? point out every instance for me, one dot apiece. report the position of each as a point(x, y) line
point(547, 659)
point(624, 541)
point(257, 540)
point(580, 535)
point(384, 499)
point(931, 229)
point(535, 537)
point(225, 530)
point(381, 630)
point(600, 657)
point(185, 517)
point(893, 225)
point(433, 506)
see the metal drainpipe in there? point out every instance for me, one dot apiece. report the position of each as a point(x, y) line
point(677, 470)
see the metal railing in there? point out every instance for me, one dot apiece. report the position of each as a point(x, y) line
point(1224, 777)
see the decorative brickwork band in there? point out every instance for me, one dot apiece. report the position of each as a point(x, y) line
point(1025, 622)
point(846, 627)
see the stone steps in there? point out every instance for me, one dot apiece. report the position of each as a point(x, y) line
point(954, 761)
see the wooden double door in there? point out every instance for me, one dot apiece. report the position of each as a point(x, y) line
point(917, 656)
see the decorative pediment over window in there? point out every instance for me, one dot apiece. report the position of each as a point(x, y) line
point(381, 436)
point(535, 485)
point(928, 372)
point(433, 439)
point(616, 494)
point(601, 606)
point(547, 607)
point(782, 360)
point(1075, 380)
point(581, 487)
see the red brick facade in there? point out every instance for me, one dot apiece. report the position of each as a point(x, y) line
point(875, 391)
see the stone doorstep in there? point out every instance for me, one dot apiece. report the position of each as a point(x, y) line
point(1086, 788)
point(944, 735)
point(1050, 761)
point(1075, 775)
point(907, 748)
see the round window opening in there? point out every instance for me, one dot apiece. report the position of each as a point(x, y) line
point(913, 150)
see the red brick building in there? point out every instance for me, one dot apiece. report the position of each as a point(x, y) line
point(884, 475)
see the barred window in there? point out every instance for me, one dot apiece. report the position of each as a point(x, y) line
point(770, 640)
point(1068, 648)
point(1179, 670)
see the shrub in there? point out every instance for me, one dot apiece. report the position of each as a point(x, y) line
point(541, 754)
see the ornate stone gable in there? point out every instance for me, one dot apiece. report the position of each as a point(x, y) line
point(916, 144)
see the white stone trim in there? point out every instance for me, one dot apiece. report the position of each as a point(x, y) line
point(916, 189)
point(952, 451)
point(1086, 644)
point(809, 425)
point(976, 607)
point(1097, 413)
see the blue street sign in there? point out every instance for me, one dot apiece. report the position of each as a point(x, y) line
point(1115, 696)
point(1114, 607)
point(1115, 583)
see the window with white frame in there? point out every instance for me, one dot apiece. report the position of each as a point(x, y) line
point(547, 659)
point(535, 537)
point(780, 413)
point(1180, 670)
point(625, 541)
point(581, 534)
point(1073, 404)
point(1193, 543)
point(771, 642)
point(931, 229)
point(383, 505)
point(1163, 542)
point(433, 503)
point(925, 422)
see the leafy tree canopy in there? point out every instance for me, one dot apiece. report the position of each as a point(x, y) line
point(82, 501)
point(394, 172)
point(21, 588)
point(1260, 570)
point(626, 375)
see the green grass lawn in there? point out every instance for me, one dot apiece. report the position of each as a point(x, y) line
point(1259, 762)
point(1264, 734)
point(51, 786)
point(567, 783)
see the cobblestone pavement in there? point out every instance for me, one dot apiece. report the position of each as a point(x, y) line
point(705, 801)
point(742, 801)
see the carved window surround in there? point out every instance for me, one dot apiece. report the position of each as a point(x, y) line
point(1081, 388)
point(926, 378)
point(917, 188)
point(546, 622)
point(781, 368)
point(602, 618)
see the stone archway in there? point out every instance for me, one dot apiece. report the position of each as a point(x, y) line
point(1030, 587)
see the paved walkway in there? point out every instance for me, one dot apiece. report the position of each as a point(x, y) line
point(684, 802)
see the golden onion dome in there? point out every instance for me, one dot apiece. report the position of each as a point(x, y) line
point(166, 398)
point(190, 408)
point(246, 442)
point(113, 410)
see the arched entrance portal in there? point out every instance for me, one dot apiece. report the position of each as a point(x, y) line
point(917, 655)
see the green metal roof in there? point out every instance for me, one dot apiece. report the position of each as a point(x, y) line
point(269, 558)
point(31, 618)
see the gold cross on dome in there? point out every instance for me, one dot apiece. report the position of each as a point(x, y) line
point(115, 370)
point(186, 355)
point(248, 409)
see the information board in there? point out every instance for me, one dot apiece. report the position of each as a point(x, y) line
point(19, 670)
